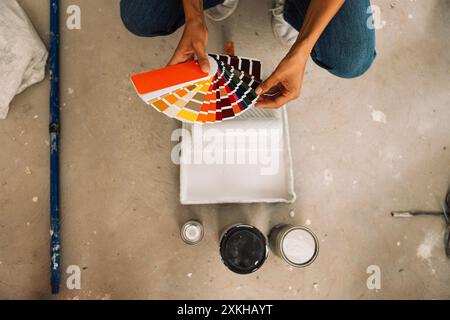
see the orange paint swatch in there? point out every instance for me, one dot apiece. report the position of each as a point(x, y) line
point(167, 77)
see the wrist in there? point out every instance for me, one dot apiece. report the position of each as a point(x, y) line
point(301, 49)
point(193, 12)
point(195, 22)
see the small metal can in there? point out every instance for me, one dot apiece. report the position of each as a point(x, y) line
point(192, 232)
point(297, 245)
point(243, 248)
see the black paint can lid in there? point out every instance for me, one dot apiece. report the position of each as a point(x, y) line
point(243, 249)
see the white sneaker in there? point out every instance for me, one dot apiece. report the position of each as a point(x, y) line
point(222, 11)
point(282, 30)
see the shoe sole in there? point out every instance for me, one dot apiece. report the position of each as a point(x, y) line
point(232, 10)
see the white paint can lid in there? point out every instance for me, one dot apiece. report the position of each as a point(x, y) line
point(299, 246)
point(192, 232)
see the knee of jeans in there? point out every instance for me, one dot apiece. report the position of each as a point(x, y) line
point(134, 23)
point(353, 67)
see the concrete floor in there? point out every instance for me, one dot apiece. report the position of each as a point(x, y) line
point(120, 208)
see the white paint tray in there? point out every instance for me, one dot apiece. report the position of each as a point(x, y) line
point(249, 172)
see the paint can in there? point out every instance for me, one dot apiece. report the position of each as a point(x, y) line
point(297, 245)
point(192, 232)
point(243, 248)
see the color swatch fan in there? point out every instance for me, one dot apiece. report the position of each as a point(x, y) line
point(188, 94)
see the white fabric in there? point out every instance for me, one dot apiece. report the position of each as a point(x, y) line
point(23, 56)
point(222, 11)
point(282, 30)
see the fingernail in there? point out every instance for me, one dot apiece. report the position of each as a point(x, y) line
point(258, 91)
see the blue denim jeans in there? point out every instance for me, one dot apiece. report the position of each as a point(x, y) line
point(346, 48)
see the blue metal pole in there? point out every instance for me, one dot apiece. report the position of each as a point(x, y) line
point(54, 127)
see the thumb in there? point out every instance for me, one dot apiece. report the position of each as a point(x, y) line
point(268, 84)
point(202, 58)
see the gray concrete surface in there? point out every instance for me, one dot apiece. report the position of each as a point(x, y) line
point(120, 209)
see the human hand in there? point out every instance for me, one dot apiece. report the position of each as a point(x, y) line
point(193, 42)
point(285, 83)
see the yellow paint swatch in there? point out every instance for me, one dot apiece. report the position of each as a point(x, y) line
point(188, 115)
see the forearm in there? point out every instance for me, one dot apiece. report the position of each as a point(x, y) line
point(193, 10)
point(319, 15)
point(194, 40)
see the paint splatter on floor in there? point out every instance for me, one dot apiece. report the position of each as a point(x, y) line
point(379, 116)
point(327, 177)
point(107, 296)
point(425, 249)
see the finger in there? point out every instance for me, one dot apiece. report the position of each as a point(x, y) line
point(274, 91)
point(179, 57)
point(202, 57)
point(266, 97)
point(274, 102)
point(267, 85)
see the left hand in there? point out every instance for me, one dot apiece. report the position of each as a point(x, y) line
point(193, 41)
point(284, 84)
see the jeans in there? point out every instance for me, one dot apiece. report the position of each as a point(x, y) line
point(346, 48)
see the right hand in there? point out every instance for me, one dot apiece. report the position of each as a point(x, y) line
point(193, 42)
